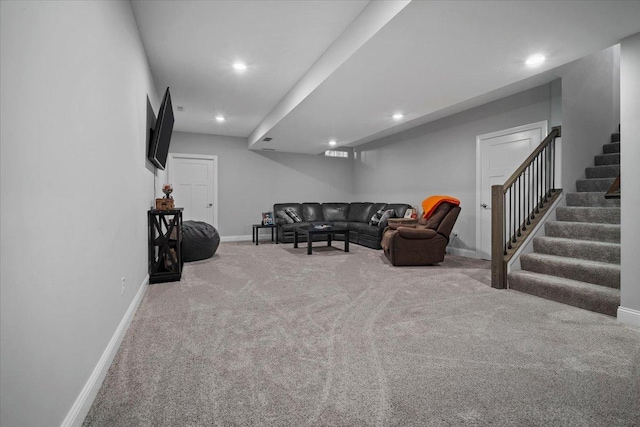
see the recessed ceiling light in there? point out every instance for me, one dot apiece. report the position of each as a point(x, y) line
point(239, 66)
point(397, 116)
point(332, 142)
point(535, 60)
point(220, 119)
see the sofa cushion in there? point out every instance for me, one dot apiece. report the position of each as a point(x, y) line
point(399, 208)
point(312, 212)
point(333, 212)
point(285, 216)
point(292, 227)
point(389, 213)
point(291, 212)
point(376, 217)
point(364, 228)
point(360, 212)
point(438, 214)
point(281, 207)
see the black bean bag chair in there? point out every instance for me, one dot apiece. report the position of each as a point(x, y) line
point(199, 240)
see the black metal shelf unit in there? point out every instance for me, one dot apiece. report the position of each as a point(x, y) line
point(165, 241)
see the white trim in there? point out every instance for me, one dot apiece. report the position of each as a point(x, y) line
point(172, 156)
point(532, 126)
point(527, 246)
point(462, 252)
point(629, 316)
point(87, 395)
point(235, 238)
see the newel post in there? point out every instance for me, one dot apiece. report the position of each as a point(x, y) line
point(498, 266)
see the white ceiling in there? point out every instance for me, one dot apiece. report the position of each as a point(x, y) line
point(320, 70)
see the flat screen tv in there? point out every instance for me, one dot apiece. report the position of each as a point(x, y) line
point(161, 135)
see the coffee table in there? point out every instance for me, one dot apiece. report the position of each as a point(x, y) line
point(330, 231)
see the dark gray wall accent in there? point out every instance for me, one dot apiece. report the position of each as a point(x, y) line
point(440, 157)
point(250, 182)
point(588, 114)
point(630, 172)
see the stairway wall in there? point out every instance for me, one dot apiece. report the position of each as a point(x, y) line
point(590, 89)
point(630, 159)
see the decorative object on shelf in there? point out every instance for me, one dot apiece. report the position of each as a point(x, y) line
point(167, 189)
point(167, 201)
point(267, 218)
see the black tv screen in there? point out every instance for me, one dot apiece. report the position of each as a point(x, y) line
point(161, 136)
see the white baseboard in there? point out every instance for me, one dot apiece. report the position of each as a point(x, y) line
point(83, 403)
point(235, 238)
point(629, 316)
point(462, 252)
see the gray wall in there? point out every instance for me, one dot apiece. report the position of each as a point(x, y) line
point(250, 182)
point(630, 172)
point(440, 157)
point(589, 90)
point(75, 188)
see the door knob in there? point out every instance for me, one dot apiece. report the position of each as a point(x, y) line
point(210, 204)
point(484, 206)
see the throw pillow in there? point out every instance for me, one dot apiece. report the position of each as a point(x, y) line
point(385, 216)
point(284, 216)
point(375, 219)
point(292, 213)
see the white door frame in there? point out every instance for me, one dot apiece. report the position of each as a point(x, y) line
point(173, 156)
point(479, 139)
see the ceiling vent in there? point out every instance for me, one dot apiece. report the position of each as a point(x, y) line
point(180, 108)
point(267, 139)
point(268, 149)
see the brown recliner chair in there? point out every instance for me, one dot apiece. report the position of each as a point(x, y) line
point(424, 243)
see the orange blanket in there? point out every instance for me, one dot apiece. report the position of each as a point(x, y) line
point(431, 203)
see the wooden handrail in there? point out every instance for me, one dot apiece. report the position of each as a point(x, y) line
point(555, 132)
point(519, 203)
point(614, 190)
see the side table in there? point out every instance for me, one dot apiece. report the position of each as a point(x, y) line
point(257, 227)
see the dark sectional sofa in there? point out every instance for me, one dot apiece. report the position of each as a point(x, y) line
point(355, 216)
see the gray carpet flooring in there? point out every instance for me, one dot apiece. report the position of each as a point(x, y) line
point(267, 335)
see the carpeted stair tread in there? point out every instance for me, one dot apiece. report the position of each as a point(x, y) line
point(591, 198)
point(612, 147)
point(615, 137)
point(594, 184)
point(583, 231)
point(582, 249)
point(592, 297)
point(607, 159)
point(606, 171)
point(598, 273)
point(604, 215)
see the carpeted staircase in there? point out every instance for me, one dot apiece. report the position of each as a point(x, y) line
point(578, 261)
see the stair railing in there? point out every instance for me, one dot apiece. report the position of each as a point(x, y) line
point(519, 203)
point(614, 190)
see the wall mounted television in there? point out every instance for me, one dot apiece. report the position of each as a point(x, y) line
point(161, 134)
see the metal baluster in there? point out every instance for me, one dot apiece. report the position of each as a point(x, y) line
point(547, 194)
point(538, 184)
point(513, 200)
point(504, 216)
point(519, 183)
point(553, 164)
point(529, 204)
point(509, 228)
point(523, 201)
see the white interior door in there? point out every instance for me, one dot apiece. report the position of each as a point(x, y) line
point(499, 155)
point(194, 186)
